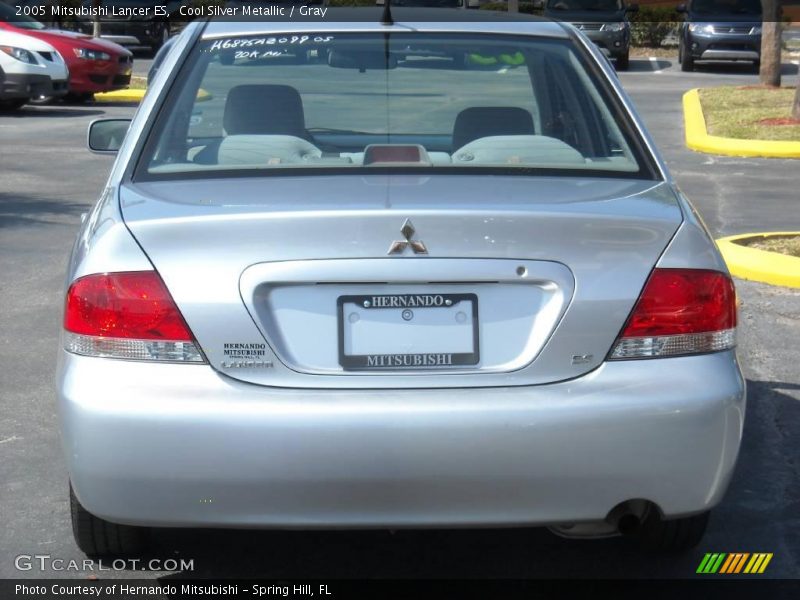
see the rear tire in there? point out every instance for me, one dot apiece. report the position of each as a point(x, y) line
point(657, 534)
point(162, 38)
point(98, 537)
point(687, 62)
point(623, 61)
point(42, 101)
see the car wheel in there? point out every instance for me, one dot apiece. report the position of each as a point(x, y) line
point(97, 537)
point(163, 37)
point(623, 61)
point(14, 104)
point(42, 100)
point(687, 62)
point(671, 535)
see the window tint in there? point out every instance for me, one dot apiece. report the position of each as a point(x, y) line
point(358, 101)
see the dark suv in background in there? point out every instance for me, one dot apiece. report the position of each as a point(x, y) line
point(720, 30)
point(605, 22)
point(135, 33)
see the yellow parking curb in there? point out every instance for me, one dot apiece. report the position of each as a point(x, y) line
point(136, 95)
point(120, 96)
point(697, 137)
point(759, 265)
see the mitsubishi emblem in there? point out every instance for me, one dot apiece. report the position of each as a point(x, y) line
point(398, 247)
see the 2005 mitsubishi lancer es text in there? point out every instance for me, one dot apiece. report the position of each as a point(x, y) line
point(418, 274)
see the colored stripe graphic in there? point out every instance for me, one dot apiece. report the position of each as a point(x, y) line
point(741, 562)
point(732, 558)
point(765, 563)
point(758, 563)
point(716, 565)
point(711, 562)
point(734, 563)
point(703, 563)
point(729, 564)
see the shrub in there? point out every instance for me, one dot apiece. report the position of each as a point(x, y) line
point(652, 24)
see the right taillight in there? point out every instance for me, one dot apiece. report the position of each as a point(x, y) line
point(680, 311)
point(128, 315)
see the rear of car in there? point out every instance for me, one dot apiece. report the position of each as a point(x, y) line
point(95, 65)
point(389, 288)
point(31, 68)
point(720, 30)
point(605, 22)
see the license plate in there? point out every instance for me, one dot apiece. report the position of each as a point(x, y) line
point(408, 331)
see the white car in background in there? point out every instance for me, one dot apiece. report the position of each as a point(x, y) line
point(29, 68)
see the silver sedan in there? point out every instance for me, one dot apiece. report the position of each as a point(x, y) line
point(416, 274)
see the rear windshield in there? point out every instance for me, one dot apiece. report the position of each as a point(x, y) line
point(391, 101)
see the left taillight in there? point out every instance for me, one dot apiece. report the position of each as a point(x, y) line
point(680, 312)
point(128, 315)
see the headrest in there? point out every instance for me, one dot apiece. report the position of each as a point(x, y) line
point(264, 110)
point(485, 121)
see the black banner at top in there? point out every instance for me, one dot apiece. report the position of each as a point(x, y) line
point(60, 12)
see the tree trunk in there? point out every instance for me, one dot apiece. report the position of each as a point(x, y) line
point(513, 6)
point(96, 19)
point(796, 105)
point(770, 72)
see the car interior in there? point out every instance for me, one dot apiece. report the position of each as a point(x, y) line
point(264, 124)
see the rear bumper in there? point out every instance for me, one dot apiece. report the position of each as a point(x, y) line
point(181, 445)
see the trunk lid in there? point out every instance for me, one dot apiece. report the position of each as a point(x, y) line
point(534, 277)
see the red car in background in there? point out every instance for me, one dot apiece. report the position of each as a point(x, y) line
point(95, 65)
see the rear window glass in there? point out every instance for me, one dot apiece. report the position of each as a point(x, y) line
point(387, 100)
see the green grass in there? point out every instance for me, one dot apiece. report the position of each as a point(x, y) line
point(735, 112)
point(783, 244)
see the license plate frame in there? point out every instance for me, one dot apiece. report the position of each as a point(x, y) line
point(367, 362)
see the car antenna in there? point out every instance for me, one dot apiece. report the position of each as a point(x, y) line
point(386, 19)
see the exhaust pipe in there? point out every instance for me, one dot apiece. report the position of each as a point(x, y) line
point(628, 524)
point(627, 517)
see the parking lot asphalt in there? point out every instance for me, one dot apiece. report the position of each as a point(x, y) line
point(48, 178)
